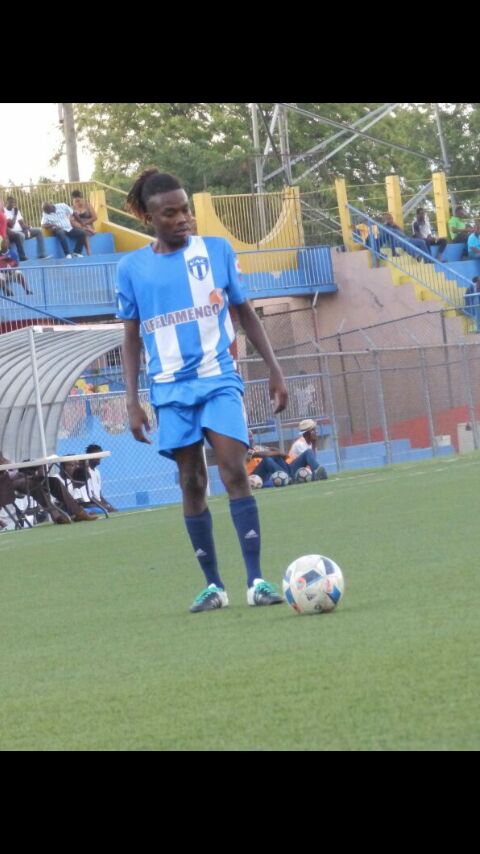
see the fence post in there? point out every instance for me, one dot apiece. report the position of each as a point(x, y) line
point(470, 401)
point(278, 427)
point(364, 401)
point(383, 411)
point(447, 358)
point(428, 403)
point(331, 406)
point(345, 382)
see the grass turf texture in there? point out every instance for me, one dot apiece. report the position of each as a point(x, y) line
point(100, 652)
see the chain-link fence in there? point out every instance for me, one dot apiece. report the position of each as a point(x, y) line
point(372, 407)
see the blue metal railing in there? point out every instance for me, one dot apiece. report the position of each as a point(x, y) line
point(76, 289)
point(308, 269)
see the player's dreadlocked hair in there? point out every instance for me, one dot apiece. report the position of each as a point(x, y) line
point(150, 182)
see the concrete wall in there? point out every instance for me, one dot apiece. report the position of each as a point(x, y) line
point(367, 296)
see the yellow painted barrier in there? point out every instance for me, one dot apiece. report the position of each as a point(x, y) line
point(287, 230)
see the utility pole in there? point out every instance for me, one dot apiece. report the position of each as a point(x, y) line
point(65, 115)
point(443, 149)
point(262, 220)
point(256, 146)
point(284, 146)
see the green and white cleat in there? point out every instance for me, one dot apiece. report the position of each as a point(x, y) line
point(210, 599)
point(263, 593)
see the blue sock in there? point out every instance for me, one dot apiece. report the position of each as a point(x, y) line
point(245, 518)
point(201, 536)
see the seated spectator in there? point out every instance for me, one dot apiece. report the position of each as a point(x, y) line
point(90, 494)
point(472, 299)
point(3, 223)
point(305, 447)
point(458, 229)
point(66, 490)
point(272, 460)
point(422, 229)
point(473, 242)
point(18, 231)
point(8, 273)
point(58, 219)
point(31, 483)
point(83, 217)
point(264, 461)
point(390, 239)
point(8, 506)
point(368, 234)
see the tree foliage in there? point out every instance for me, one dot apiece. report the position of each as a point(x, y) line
point(209, 146)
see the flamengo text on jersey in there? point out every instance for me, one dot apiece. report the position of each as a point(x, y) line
point(173, 318)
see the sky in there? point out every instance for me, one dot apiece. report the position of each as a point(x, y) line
point(30, 136)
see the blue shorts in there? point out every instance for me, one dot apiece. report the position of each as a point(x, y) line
point(220, 410)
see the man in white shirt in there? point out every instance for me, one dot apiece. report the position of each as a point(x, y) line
point(306, 444)
point(58, 219)
point(307, 439)
point(18, 231)
point(421, 228)
point(93, 488)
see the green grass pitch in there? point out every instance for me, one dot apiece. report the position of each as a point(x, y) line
point(100, 652)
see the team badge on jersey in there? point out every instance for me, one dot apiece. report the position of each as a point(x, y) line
point(216, 297)
point(198, 267)
point(237, 266)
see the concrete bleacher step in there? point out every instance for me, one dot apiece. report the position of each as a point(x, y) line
point(101, 243)
point(85, 260)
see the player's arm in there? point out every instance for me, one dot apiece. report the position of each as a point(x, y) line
point(132, 348)
point(256, 335)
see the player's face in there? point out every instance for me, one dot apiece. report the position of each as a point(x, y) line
point(171, 217)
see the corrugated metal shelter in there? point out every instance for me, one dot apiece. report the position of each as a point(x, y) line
point(61, 354)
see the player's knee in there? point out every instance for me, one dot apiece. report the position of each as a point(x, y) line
point(233, 474)
point(193, 484)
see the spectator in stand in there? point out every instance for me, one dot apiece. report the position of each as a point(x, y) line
point(422, 229)
point(390, 240)
point(93, 487)
point(8, 274)
point(473, 242)
point(58, 218)
point(3, 226)
point(83, 217)
point(472, 300)
point(18, 231)
point(458, 229)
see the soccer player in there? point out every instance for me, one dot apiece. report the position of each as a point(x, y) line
point(175, 294)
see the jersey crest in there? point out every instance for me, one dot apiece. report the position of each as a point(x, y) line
point(198, 267)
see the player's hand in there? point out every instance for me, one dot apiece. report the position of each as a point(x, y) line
point(278, 391)
point(138, 420)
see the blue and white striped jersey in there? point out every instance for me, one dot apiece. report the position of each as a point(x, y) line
point(181, 300)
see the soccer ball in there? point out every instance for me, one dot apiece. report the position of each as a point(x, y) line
point(313, 584)
point(256, 481)
point(280, 478)
point(303, 475)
